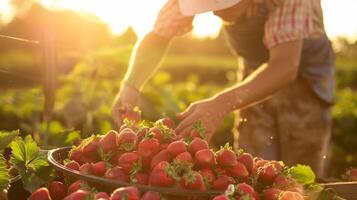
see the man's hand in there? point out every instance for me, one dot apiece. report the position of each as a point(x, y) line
point(209, 112)
point(126, 99)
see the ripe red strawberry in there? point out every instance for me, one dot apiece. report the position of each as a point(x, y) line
point(79, 195)
point(127, 139)
point(156, 132)
point(222, 182)
point(193, 180)
point(287, 195)
point(128, 161)
point(221, 197)
point(86, 168)
point(267, 173)
point(57, 190)
point(205, 158)
point(90, 150)
point(162, 133)
point(99, 168)
point(177, 147)
point(198, 130)
point(147, 148)
point(208, 175)
point(151, 195)
point(272, 194)
point(184, 157)
point(132, 115)
point(162, 175)
point(164, 146)
point(117, 173)
point(101, 196)
point(196, 145)
point(72, 165)
point(247, 160)
point(163, 155)
point(142, 132)
point(75, 155)
point(285, 183)
point(239, 171)
point(260, 162)
point(140, 178)
point(127, 193)
point(77, 185)
point(167, 122)
point(220, 171)
point(40, 194)
point(226, 158)
point(244, 189)
point(108, 142)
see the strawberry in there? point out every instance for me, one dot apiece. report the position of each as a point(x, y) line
point(167, 122)
point(239, 171)
point(205, 158)
point(196, 145)
point(267, 173)
point(147, 148)
point(226, 158)
point(75, 155)
point(127, 193)
point(127, 140)
point(79, 195)
point(142, 132)
point(90, 150)
point(117, 173)
point(128, 161)
point(140, 178)
point(131, 115)
point(151, 195)
point(162, 175)
point(260, 163)
point(184, 157)
point(247, 160)
point(163, 155)
point(162, 133)
point(164, 146)
point(99, 168)
point(72, 165)
point(40, 194)
point(57, 190)
point(101, 196)
point(177, 147)
point(287, 195)
point(86, 169)
point(220, 171)
point(193, 180)
point(272, 194)
point(208, 175)
point(244, 189)
point(285, 183)
point(108, 142)
point(222, 182)
point(221, 197)
point(77, 185)
point(198, 130)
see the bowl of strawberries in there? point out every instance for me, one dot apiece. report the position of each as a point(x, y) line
point(151, 157)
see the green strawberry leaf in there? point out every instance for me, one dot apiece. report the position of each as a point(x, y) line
point(4, 175)
point(31, 164)
point(302, 174)
point(7, 137)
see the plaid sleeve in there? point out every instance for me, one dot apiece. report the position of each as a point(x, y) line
point(292, 21)
point(170, 21)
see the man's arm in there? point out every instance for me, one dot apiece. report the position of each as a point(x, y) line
point(281, 70)
point(145, 59)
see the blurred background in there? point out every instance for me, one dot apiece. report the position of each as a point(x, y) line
point(62, 61)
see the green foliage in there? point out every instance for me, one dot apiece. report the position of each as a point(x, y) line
point(31, 163)
point(4, 175)
point(302, 174)
point(7, 137)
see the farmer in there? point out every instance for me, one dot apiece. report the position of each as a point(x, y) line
point(284, 94)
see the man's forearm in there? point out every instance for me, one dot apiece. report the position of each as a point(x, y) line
point(145, 59)
point(281, 70)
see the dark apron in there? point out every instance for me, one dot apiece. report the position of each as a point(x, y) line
point(317, 58)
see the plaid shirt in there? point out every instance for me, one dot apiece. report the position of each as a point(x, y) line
point(295, 19)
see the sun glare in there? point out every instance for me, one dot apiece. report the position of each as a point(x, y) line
point(141, 14)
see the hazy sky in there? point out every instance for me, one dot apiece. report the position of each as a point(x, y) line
point(340, 15)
